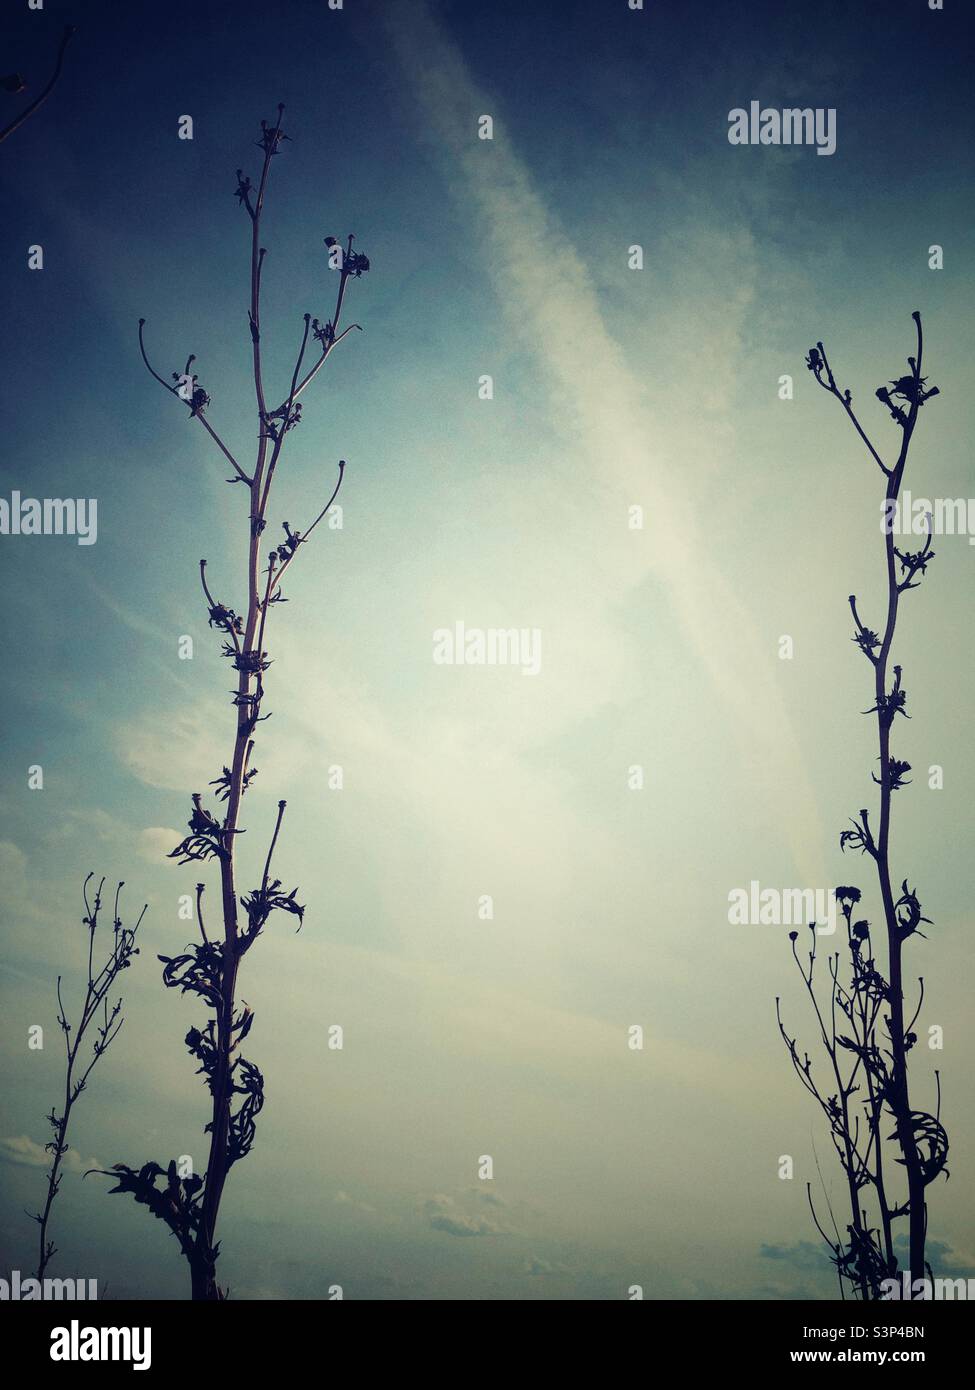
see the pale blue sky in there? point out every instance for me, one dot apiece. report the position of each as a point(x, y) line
point(613, 387)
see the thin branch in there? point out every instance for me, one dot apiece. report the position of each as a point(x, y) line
point(845, 399)
point(303, 536)
point(222, 447)
point(274, 841)
point(66, 37)
point(196, 412)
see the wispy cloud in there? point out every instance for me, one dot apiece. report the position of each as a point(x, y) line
point(547, 292)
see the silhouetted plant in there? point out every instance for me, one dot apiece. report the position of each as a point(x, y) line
point(97, 1013)
point(861, 1024)
point(14, 82)
point(208, 968)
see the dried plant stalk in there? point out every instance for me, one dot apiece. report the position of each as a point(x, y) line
point(869, 1060)
point(190, 1204)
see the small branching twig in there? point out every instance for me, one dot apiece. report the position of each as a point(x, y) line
point(99, 1016)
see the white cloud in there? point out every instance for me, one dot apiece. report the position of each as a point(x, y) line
point(25, 1152)
point(13, 866)
point(445, 1214)
point(537, 1266)
point(169, 752)
point(344, 1200)
point(156, 843)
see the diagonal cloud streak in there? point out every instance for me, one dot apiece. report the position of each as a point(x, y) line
point(553, 308)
